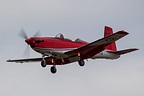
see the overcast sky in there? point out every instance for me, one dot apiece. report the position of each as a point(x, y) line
point(81, 18)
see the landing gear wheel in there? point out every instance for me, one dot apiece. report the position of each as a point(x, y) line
point(43, 63)
point(53, 69)
point(81, 62)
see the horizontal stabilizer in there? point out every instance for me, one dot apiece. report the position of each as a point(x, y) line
point(121, 52)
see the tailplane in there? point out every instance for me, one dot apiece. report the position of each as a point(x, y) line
point(122, 52)
point(111, 48)
point(108, 31)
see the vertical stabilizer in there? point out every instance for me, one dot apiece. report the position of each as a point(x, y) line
point(108, 31)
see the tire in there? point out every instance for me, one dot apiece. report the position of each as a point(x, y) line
point(81, 62)
point(43, 63)
point(53, 69)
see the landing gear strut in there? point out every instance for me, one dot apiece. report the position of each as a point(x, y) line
point(81, 62)
point(53, 69)
point(43, 62)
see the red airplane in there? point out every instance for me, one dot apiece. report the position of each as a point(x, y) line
point(60, 50)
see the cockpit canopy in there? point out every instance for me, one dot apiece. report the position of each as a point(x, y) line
point(78, 40)
point(61, 36)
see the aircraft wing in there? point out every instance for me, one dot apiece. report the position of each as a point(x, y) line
point(91, 49)
point(26, 60)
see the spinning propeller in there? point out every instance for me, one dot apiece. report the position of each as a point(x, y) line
point(27, 40)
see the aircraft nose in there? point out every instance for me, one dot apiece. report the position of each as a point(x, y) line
point(28, 41)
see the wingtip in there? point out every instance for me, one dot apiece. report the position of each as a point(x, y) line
point(8, 60)
point(123, 32)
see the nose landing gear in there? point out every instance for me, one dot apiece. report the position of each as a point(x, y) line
point(81, 62)
point(53, 69)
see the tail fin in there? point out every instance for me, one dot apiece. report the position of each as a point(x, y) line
point(108, 31)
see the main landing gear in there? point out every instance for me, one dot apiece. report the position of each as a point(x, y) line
point(53, 69)
point(43, 63)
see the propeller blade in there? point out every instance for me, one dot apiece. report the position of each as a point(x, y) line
point(23, 34)
point(37, 34)
point(27, 51)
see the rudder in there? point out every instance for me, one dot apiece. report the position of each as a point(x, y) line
point(108, 31)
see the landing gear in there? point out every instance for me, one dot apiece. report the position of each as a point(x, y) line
point(43, 63)
point(53, 69)
point(81, 62)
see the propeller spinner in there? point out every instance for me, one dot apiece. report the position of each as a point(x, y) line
point(28, 41)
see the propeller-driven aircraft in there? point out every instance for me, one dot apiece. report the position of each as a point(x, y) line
point(60, 50)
